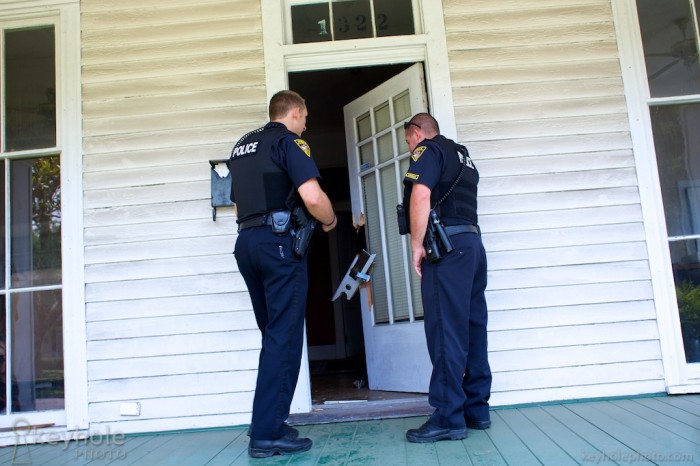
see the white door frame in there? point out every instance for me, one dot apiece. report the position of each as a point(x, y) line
point(680, 377)
point(428, 47)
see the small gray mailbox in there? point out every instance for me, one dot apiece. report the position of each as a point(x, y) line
point(220, 185)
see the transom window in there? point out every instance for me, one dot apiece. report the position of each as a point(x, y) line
point(320, 21)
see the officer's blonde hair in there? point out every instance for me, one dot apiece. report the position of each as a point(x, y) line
point(283, 102)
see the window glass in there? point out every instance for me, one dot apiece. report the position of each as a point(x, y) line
point(677, 143)
point(4, 381)
point(352, 19)
point(30, 89)
point(364, 127)
point(311, 23)
point(37, 351)
point(366, 156)
point(382, 117)
point(394, 17)
point(670, 45)
point(374, 244)
point(385, 148)
point(31, 330)
point(402, 106)
point(35, 244)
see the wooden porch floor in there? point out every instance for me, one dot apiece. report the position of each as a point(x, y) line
point(649, 430)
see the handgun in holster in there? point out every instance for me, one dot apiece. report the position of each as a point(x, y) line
point(303, 226)
point(437, 242)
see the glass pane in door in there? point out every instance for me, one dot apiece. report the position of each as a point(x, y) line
point(399, 295)
point(677, 144)
point(375, 246)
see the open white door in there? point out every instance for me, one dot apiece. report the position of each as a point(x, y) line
point(392, 314)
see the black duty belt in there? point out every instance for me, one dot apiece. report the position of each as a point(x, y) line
point(259, 221)
point(456, 229)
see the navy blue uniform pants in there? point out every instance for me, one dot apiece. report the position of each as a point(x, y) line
point(277, 282)
point(455, 327)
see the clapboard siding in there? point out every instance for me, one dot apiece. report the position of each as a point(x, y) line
point(166, 306)
point(540, 104)
point(171, 286)
point(569, 236)
point(584, 314)
point(558, 200)
point(176, 267)
point(167, 86)
point(172, 386)
point(176, 413)
point(126, 348)
point(214, 321)
point(174, 365)
point(545, 358)
point(592, 255)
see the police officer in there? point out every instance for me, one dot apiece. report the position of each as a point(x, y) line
point(272, 173)
point(453, 287)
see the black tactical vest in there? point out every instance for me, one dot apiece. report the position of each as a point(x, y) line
point(258, 184)
point(460, 206)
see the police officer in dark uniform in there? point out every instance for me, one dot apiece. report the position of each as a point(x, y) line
point(273, 174)
point(452, 287)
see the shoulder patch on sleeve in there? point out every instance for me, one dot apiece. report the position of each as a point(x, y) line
point(417, 152)
point(412, 176)
point(303, 146)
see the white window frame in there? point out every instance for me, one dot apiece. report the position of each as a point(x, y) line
point(65, 17)
point(680, 377)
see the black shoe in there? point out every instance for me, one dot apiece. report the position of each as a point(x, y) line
point(478, 424)
point(289, 431)
point(282, 446)
point(431, 433)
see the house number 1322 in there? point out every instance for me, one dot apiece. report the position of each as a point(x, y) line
point(360, 24)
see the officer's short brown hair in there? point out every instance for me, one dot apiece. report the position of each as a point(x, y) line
point(283, 102)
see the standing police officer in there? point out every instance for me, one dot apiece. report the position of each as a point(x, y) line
point(272, 174)
point(452, 287)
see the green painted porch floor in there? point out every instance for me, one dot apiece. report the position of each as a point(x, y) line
point(646, 430)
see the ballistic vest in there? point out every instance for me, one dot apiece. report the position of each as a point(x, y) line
point(258, 184)
point(460, 206)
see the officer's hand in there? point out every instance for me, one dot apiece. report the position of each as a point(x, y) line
point(418, 255)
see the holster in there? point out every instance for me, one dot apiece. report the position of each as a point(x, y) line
point(303, 227)
point(437, 242)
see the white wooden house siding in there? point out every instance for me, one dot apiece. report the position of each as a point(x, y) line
point(166, 87)
point(540, 101)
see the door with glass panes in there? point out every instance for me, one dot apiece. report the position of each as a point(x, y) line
point(31, 314)
point(378, 157)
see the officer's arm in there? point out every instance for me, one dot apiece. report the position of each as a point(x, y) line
point(419, 211)
point(318, 204)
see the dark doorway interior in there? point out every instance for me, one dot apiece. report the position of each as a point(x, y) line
point(334, 330)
